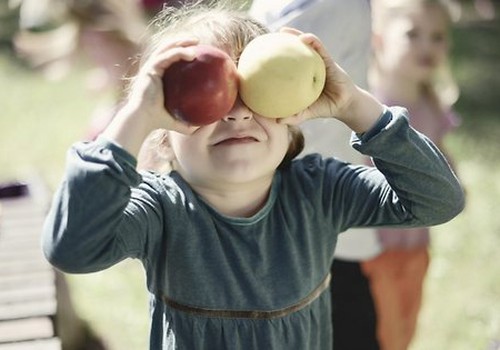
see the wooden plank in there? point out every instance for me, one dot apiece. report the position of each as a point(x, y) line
point(20, 209)
point(16, 204)
point(29, 220)
point(29, 308)
point(31, 278)
point(25, 293)
point(23, 219)
point(42, 344)
point(21, 252)
point(19, 267)
point(22, 241)
point(21, 205)
point(28, 291)
point(26, 329)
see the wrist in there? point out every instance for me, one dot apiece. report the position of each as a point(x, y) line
point(362, 112)
point(383, 120)
point(128, 129)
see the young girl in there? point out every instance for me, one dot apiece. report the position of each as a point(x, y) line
point(410, 69)
point(237, 240)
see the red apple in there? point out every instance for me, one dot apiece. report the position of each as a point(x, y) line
point(204, 90)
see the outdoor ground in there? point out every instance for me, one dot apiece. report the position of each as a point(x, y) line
point(39, 119)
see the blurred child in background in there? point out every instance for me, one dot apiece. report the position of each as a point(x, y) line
point(410, 68)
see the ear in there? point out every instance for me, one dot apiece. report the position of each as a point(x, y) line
point(377, 42)
point(165, 150)
point(156, 154)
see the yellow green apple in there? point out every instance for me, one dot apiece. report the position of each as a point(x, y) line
point(280, 75)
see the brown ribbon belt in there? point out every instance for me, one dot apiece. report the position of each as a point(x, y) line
point(252, 314)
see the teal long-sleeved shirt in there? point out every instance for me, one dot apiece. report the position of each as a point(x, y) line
point(219, 282)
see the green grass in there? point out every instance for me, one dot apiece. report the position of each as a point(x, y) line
point(116, 305)
point(39, 119)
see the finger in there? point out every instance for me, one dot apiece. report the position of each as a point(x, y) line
point(182, 127)
point(169, 44)
point(290, 30)
point(164, 60)
point(167, 53)
point(295, 119)
point(157, 64)
point(314, 42)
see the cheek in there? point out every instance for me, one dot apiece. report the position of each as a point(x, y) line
point(189, 159)
point(441, 51)
point(393, 51)
point(277, 134)
point(393, 57)
point(281, 139)
point(183, 147)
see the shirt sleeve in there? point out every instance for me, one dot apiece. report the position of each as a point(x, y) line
point(95, 219)
point(416, 170)
point(384, 120)
point(411, 186)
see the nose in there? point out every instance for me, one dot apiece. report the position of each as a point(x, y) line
point(239, 112)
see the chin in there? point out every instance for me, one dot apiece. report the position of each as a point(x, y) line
point(242, 171)
point(425, 73)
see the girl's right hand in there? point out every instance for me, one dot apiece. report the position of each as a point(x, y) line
point(146, 93)
point(143, 110)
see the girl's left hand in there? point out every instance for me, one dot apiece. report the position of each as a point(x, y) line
point(338, 90)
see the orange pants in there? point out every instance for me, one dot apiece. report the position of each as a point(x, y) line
point(396, 281)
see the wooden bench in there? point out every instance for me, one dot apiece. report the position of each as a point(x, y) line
point(35, 308)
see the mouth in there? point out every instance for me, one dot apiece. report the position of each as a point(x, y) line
point(426, 62)
point(236, 141)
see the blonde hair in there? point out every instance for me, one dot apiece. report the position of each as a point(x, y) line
point(216, 23)
point(443, 87)
point(213, 22)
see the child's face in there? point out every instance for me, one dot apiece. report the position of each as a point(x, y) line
point(414, 45)
point(240, 148)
